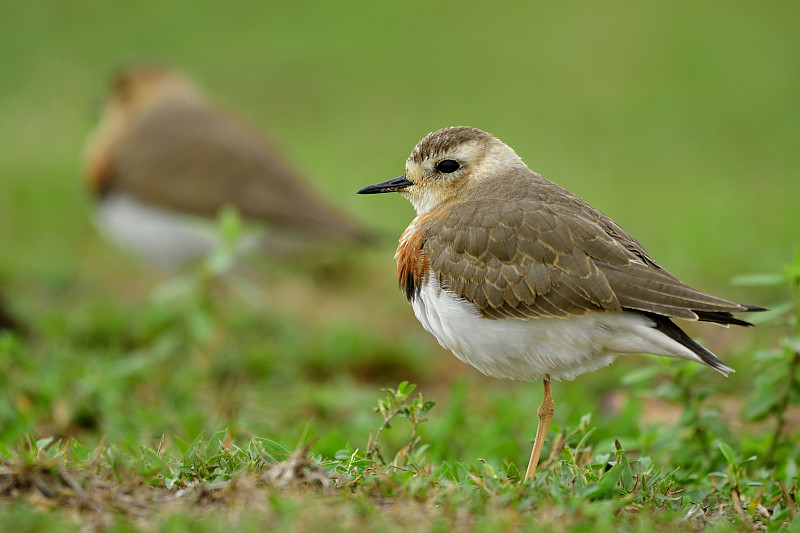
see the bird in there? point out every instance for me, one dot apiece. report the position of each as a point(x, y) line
point(523, 280)
point(164, 159)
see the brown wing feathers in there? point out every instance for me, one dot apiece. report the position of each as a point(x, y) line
point(532, 259)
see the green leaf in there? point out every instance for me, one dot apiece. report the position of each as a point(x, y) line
point(606, 486)
point(229, 224)
point(78, 451)
point(270, 451)
point(772, 314)
point(761, 404)
point(190, 455)
point(759, 280)
point(626, 475)
point(405, 389)
point(601, 459)
point(791, 476)
point(220, 261)
point(214, 444)
point(727, 451)
point(584, 439)
point(183, 446)
point(41, 444)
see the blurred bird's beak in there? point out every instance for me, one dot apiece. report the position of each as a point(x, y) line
point(392, 185)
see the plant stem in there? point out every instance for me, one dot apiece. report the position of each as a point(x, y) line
point(376, 444)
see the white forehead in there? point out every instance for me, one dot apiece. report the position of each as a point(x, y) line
point(486, 156)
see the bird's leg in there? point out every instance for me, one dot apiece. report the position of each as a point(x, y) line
point(545, 413)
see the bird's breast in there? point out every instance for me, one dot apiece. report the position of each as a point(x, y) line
point(413, 263)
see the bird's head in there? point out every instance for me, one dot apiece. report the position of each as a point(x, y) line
point(446, 164)
point(135, 88)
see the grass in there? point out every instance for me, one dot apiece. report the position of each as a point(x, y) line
point(185, 413)
point(211, 399)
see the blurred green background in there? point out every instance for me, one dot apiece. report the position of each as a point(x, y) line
point(681, 120)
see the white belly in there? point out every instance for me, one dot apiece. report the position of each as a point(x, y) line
point(529, 349)
point(162, 236)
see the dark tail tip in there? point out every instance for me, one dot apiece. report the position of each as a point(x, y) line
point(671, 330)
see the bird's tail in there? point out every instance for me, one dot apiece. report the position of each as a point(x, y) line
point(671, 330)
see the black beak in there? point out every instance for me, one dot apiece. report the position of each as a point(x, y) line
point(392, 185)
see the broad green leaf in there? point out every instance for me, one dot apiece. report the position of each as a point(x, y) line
point(727, 451)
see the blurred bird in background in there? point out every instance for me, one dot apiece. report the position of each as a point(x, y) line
point(164, 160)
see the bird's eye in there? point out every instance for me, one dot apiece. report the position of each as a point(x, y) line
point(447, 166)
